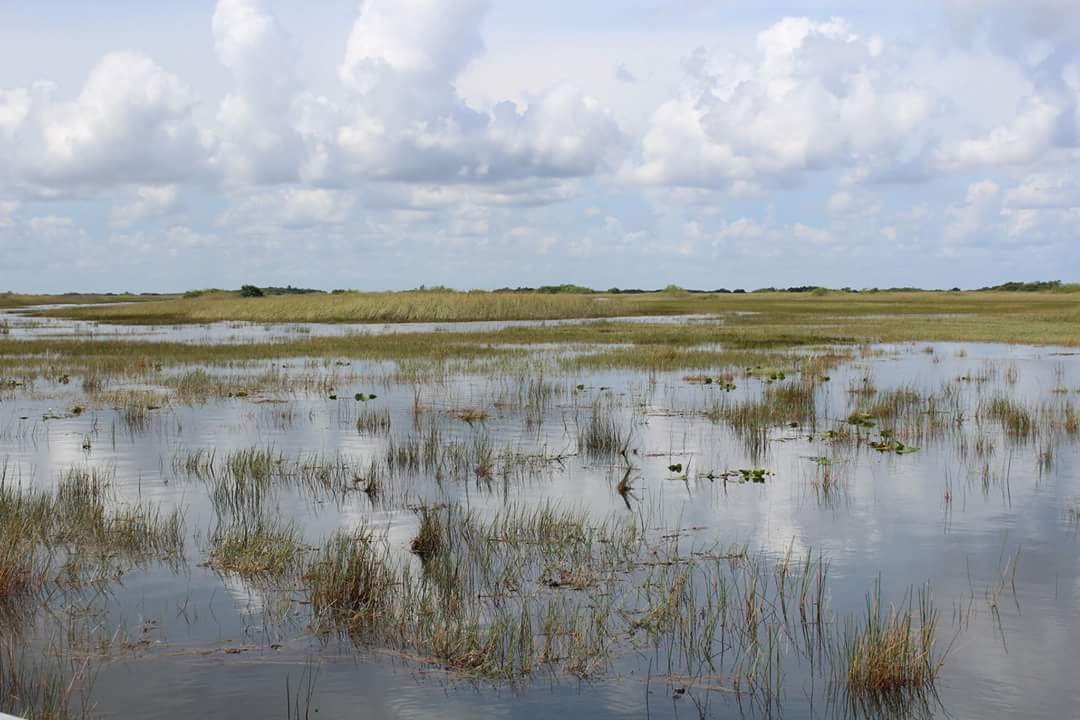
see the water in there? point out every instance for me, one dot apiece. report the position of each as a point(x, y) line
point(22, 324)
point(990, 531)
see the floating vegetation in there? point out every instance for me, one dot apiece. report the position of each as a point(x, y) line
point(888, 443)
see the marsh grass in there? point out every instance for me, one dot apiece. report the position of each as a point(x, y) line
point(413, 306)
point(37, 689)
point(21, 571)
point(785, 404)
point(604, 436)
point(265, 549)
point(428, 541)
point(1015, 419)
point(351, 582)
point(82, 518)
point(890, 653)
point(757, 318)
point(373, 421)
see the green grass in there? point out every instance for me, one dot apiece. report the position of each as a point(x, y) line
point(82, 520)
point(262, 549)
point(351, 581)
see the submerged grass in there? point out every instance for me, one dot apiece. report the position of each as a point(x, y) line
point(36, 689)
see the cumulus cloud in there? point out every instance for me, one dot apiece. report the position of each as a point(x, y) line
point(1025, 138)
point(408, 122)
point(967, 220)
point(148, 201)
point(289, 207)
point(813, 95)
point(14, 109)
point(258, 142)
point(803, 138)
point(133, 121)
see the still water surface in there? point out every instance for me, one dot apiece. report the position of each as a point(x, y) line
point(993, 536)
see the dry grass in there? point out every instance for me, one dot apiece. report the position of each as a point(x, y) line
point(774, 318)
point(413, 306)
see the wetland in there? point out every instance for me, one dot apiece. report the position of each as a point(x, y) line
point(660, 506)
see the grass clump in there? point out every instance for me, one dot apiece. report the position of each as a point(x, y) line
point(372, 421)
point(891, 653)
point(1014, 418)
point(429, 540)
point(261, 550)
point(603, 436)
point(350, 581)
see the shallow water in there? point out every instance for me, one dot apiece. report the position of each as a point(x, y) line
point(990, 533)
point(22, 324)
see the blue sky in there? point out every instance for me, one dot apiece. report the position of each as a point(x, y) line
point(476, 143)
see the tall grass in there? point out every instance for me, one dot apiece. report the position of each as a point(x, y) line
point(890, 652)
point(433, 306)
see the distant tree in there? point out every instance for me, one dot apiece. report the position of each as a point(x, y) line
point(250, 291)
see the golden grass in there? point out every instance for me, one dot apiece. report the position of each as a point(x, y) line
point(17, 300)
point(751, 320)
point(891, 652)
point(412, 306)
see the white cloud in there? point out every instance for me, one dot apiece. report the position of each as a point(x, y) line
point(967, 220)
point(408, 122)
point(132, 122)
point(813, 96)
point(287, 208)
point(1045, 189)
point(148, 201)
point(1025, 138)
point(402, 137)
point(14, 109)
point(257, 140)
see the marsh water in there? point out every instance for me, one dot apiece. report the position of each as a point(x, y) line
point(968, 508)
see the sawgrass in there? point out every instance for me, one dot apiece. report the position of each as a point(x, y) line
point(780, 318)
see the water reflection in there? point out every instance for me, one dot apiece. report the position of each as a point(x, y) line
point(990, 533)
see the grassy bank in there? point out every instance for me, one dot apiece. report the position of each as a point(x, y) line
point(1019, 317)
point(18, 300)
point(413, 306)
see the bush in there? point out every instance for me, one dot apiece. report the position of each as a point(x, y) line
point(250, 291)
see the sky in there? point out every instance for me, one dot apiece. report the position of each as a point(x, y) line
point(388, 144)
